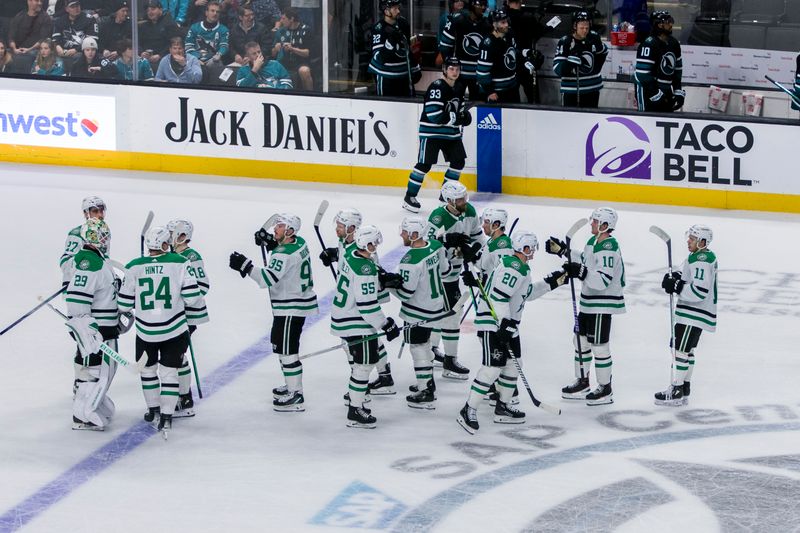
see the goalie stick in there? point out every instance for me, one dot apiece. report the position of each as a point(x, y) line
point(44, 302)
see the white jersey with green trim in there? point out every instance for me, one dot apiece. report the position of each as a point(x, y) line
point(197, 268)
point(383, 294)
point(164, 296)
point(73, 245)
point(509, 286)
point(289, 280)
point(697, 301)
point(421, 294)
point(356, 310)
point(601, 290)
point(441, 222)
point(91, 290)
point(494, 249)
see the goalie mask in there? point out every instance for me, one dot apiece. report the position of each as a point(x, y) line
point(95, 232)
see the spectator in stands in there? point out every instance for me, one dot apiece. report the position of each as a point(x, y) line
point(178, 66)
point(96, 8)
point(125, 63)
point(453, 7)
point(29, 28)
point(178, 10)
point(260, 72)
point(91, 64)
point(6, 58)
point(267, 11)
point(115, 28)
point(292, 47)
point(47, 64)
point(156, 32)
point(207, 40)
point(247, 30)
point(8, 10)
point(70, 29)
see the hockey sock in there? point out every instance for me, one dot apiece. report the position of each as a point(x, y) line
point(602, 363)
point(688, 376)
point(680, 367)
point(185, 376)
point(507, 381)
point(169, 389)
point(383, 361)
point(359, 379)
point(480, 385)
point(584, 357)
point(452, 174)
point(436, 337)
point(423, 364)
point(150, 386)
point(450, 334)
point(292, 372)
point(415, 180)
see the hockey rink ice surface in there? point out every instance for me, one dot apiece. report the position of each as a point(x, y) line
point(729, 461)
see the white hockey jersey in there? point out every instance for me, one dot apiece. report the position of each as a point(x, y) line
point(601, 291)
point(161, 291)
point(289, 280)
point(442, 221)
point(90, 290)
point(697, 301)
point(197, 268)
point(494, 249)
point(356, 309)
point(421, 295)
point(73, 245)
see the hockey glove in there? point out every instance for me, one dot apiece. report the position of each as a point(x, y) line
point(266, 239)
point(530, 67)
point(678, 97)
point(455, 240)
point(125, 322)
point(469, 279)
point(672, 284)
point(391, 329)
point(556, 279)
point(416, 75)
point(389, 280)
point(657, 97)
point(453, 120)
point(538, 59)
point(117, 284)
point(575, 270)
point(463, 119)
point(471, 252)
point(240, 264)
point(556, 247)
point(506, 332)
point(329, 256)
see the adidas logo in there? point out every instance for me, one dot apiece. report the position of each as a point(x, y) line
point(488, 123)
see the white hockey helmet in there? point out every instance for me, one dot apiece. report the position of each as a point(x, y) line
point(291, 221)
point(366, 235)
point(348, 217)
point(180, 227)
point(156, 238)
point(525, 239)
point(414, 225)
point(95, 231)
point(701, 233)
point(92, 202)
point(495, 214)
point(605, 215)
point(454, 190)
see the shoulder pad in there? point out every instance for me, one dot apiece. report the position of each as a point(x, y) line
point(436, 217)
point(88, 261)
point(703, 256)
point(609, 245)
point(364, 267)
point(191, 254)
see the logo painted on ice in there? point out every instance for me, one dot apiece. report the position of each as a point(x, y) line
point(618, 147)
point(360, 506)
point(489, 123)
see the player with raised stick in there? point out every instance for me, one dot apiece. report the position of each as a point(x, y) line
point(356, 315)
point(288, 277)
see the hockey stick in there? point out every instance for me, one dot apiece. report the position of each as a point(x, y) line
point(323, 206)
point(29, 313)
point(575, 325)
point(552, 409)
point(107, 350)
point(795, 99)
point(345, 345)
point(266, 227)
point(471, 304)
point(664, 236)
point(194, 367)
point(147, 222)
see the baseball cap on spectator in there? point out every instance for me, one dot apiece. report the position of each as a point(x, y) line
point(153, 3)
point(118, 4)
point(71, 3)
point(89, 42)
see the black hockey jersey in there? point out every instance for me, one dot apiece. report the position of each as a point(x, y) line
point(462, 36)
point(497, 66)
point(69, 34)
point(440, 101)
point(659, 65)
point(592, 53)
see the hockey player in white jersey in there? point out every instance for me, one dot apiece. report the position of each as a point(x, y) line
point(508, 287)
point(288, 277)
point(602, 272)
point(347, 222)
point(92, 295)
point(160, 288)
point(695, 284)
point(181, 232)
point(422, 298)
point(93, 207)
point(457, 226)
point(356, 315)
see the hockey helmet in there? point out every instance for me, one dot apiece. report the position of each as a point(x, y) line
point(660, 17)
point(180, 227)
point(701, 233)
point(605, 215)
point(495, 214)
point(454, 190)
point(95, 231)
point(525, 239)
point(93, 202)
point(499, 14)
point(156, 238)
point(291, 221)
point(451, 61)
point(366, 235)
point(348, 217)
point(413, 225)
point(386, 4)
point(581, 16)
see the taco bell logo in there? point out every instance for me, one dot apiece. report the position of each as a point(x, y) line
point(618, 147)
